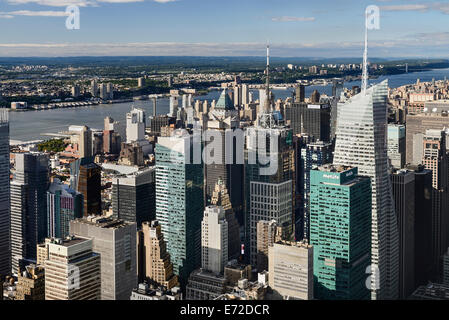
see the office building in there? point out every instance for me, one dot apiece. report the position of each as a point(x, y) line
point(290, 270)
point(403, 184)
point(435, 158)
point(446, 268)
point(179, 202)
point(135, 125)
point(268, 233)
point(63, 205)
point(5, 215)
point(361, 143)
point(30, 283)
point(220, 198)
point(115, 242)
point(340, 224)
point(214, 239)
point(134, 196)
point(313, 155)
point(154, 263)
point(28, 205)
point(88, 183)
point(417, 124)
point(313, 119)
point(300, 93)
point(396, 145)
point(205, 285)
point(72, 270)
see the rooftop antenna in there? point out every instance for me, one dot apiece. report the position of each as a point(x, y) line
point(268, 99)
point(372, 22)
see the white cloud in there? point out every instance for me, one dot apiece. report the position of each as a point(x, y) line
point(29, 13)
point(80, 3)
point(405, 7)
point(292, 19)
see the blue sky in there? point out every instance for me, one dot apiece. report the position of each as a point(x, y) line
point(296, 28)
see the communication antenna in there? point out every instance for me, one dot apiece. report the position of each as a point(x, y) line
point(372, 22)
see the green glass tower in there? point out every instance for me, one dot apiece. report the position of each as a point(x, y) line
point(340, 232)
point(179, 202)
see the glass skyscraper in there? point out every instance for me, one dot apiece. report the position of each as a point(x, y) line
point(362, 142)
point(179, 202)
point(340, 224)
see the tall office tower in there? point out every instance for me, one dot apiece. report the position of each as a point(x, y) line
point(337, 88)
point(75, 91)
point(28, 205)
point(115, 242)
point(179, 201)
point(417, 124)
point(315, 97)
point(290, 270)
point(83, 137)
point(435, 158)
point(423, 264)
point(173, 106)
point(134, 196)
point(214, 240)
point(268, 233)
point(94, 88)
point(269, 188)
point(396, 145)
point(224, 120)
point(220, 198)
point(340, 224)
point(97, 142)
point(361, 142)
point(313, 155)
point(30, 283)
point(245, 94)
point(300, 93)
point(72, 270)
point(153, 260)
point(313, 119)
point(135, 125)
point(63, 205)
point(5, 215)
point(111, 137)
point(237, 96)
point(88, 183)
point(403, 184)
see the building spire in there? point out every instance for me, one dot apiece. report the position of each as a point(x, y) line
point(267, 88)
point(365, 58)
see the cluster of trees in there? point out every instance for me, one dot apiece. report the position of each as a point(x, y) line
point(53, 145)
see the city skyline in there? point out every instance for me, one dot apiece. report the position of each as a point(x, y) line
point(212, 28)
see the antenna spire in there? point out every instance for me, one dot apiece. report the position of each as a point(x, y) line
point(365, 58)
point(267, 89)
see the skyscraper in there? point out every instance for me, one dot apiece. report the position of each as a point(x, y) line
point(154, 263)
point(5, 215)
point(179, 202)
point(115, 242)
point(396, 145)
point(435, 158)
point(72, 270)
point(134, 196)
point(214, 240)
point(313, 119)
point(63, 205)
point(267, 233)
point(403, 184)
point(313, 155)
point(87, 176)
point(135, 125)
point(28, 205)
point(340, 224)
point(361, 142)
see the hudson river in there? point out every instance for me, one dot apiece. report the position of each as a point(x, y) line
point(29, 125)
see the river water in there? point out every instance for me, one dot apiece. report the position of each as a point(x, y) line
point(30, 125)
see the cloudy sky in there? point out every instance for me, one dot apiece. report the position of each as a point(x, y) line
point(294, 28)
